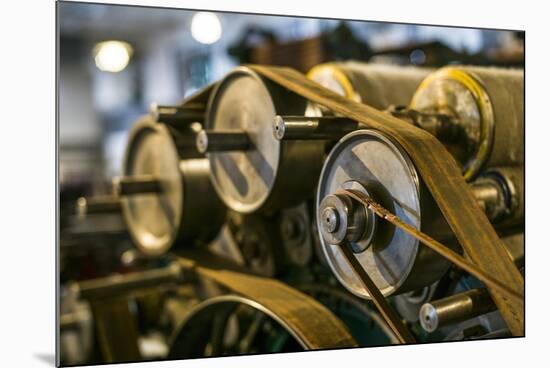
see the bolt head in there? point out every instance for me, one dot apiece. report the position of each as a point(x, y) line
point(428, 317)
point(278, 127)
point(330, 219)
point(202, 141)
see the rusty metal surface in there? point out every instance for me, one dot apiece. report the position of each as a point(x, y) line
point(488, 103)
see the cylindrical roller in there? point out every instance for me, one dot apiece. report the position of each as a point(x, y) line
point(377, 85)
point(312, 128)
point(456, 308)
point(370, 162)
point(270, 174)
point(185, 208)
point(487, 104)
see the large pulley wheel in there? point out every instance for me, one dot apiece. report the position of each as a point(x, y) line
point(165, 199)
point(230, 325)
point(250, 168)
point(370, 162)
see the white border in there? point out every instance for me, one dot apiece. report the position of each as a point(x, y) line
point(27, 199)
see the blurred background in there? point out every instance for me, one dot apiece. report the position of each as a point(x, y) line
point(114, 61)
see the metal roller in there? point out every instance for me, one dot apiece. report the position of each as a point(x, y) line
point(377, 85)
point(485, 109)
point(251, 169)
point(166, 200)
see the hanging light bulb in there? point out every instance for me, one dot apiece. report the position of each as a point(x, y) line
point(206, 28)
point(112, 56)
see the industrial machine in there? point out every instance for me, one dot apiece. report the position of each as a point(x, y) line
point(362, 205)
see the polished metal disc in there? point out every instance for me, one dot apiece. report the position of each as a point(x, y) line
point(373, 160)
point(244, 179)
point(153, 219)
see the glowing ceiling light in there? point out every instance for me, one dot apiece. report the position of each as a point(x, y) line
point(112, 56)
point(206, 27)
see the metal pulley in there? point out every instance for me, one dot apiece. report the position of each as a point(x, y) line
point(166, 197)
point(251, 169)
point(377, 85)
point(370, 162)
point(476, 112)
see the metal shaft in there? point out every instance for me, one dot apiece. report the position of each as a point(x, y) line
point(131, 185)
point(97, 205)
point(443, 126)
point(118, 284)
point(489, 193)
point(222, 141)
point(311, 128)
point(456, 308)
point(177, 114)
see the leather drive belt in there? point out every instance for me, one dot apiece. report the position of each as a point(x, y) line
point(439, 172)
point(313, 324)
point(316, 325)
